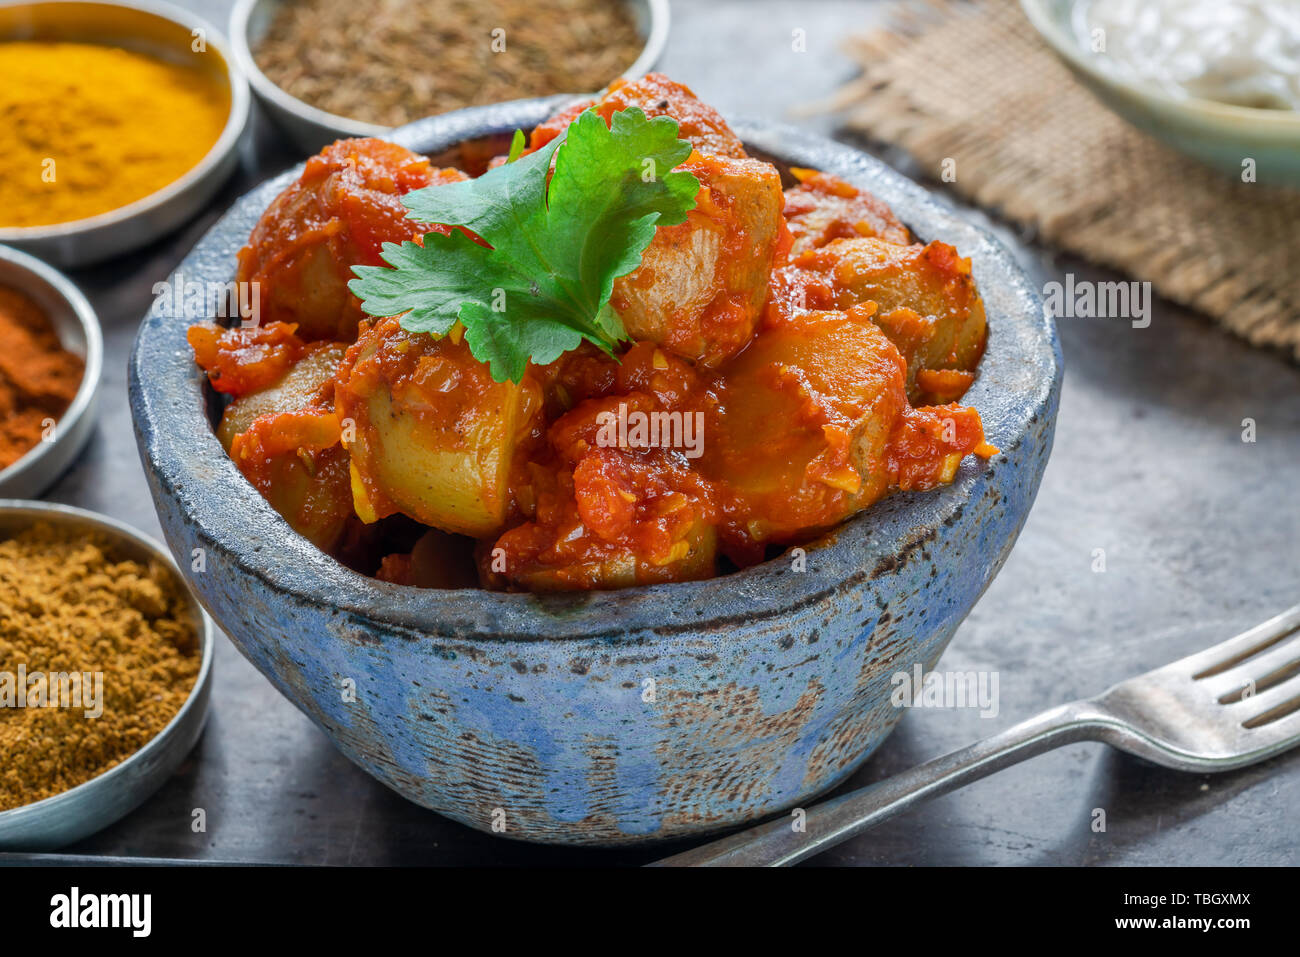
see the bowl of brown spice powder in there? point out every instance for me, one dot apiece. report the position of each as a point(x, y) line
point(49, 373)
point(326, 69)
point(105, 672)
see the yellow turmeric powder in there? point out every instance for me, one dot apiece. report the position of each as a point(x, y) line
point(88, 129)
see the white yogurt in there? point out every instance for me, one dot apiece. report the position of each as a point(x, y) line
point(1242, 52)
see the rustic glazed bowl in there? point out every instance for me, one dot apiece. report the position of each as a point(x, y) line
point(609, 717)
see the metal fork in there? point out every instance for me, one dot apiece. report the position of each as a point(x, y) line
point(1229, 706)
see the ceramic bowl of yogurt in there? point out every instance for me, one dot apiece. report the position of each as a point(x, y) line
point(1218, 80)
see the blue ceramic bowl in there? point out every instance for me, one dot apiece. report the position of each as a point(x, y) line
point(609, 717)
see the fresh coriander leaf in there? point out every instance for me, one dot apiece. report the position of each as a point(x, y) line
point(611, 189)
point(556, 248)
point(508, 349)
point(412, 286)
point(498, 203)
point(517, 143)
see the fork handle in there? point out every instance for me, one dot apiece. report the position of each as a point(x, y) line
point(777, 843)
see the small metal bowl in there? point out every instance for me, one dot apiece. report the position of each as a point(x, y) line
point(311, 128)
point(160, 30)
point(78, 329)
point(92, 806)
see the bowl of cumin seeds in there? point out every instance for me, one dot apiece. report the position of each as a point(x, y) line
point(326, 69)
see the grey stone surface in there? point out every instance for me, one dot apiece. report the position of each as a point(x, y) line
point(1199, 531)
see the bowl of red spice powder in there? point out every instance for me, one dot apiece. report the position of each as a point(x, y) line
point(50, 368)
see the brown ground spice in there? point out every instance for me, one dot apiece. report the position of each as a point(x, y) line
point(67, 605)
point(397, 61)
point(38, 377)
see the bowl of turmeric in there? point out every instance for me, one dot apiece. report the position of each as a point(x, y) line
point(121, 123)
point(49, 373)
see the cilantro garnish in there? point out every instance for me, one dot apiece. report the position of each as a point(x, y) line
point(556, 249)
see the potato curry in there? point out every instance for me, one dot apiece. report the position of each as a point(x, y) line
point(777, 359)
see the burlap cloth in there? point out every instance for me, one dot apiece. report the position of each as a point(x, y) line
point(970, 80)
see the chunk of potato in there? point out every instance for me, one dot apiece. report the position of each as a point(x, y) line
point(434, 436)
point(655, 95)
point(337, 214)
point(270, 435)
point(823, 208)
point(801, 424)
point(927, 304)
point(294, 391)
point(702, 284)
point(312, 492)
